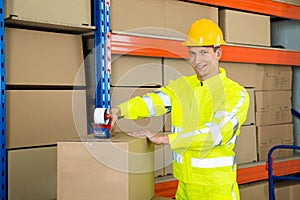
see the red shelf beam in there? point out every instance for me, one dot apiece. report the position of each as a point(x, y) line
point(156, 47)
point(267, 7)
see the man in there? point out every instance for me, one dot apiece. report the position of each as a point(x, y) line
point(207, 110)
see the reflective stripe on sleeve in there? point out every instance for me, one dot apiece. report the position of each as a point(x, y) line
point(164, 98)
point(149, 104)
point(213, 162)
point(177, 157)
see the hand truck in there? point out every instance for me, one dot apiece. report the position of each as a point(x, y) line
point(271, 177)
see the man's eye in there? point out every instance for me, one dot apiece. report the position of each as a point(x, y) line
point(203, 52)
point(192, 53)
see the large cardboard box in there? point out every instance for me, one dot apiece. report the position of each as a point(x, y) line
point(42, 117)
point(273, 107)
point(245, 28)
point(254, 191)
point(71, 12)
point(242, 73)
point(245, 148)
point(121, 94)
point(273, 77)
point(120, 167)
point(168, 159)
point(158, 17)
point(142, 16)
point(136, 71)
point(178, 24)
point(269, 136)
point(158, 160)
point(287, 190)
point(32, 173)
point(43, 58)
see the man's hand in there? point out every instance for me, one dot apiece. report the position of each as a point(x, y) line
point(155, 138)
point(115, 114)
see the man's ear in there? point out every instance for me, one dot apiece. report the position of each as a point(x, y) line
point(219, 53)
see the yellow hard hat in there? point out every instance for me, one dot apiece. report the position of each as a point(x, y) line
point(204, 32)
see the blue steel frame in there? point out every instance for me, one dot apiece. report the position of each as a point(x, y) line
point(102, 77)
point(3, 107)
point(271, 177)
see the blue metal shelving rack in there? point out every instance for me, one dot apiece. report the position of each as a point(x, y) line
point(3, 106)
point(102, 53)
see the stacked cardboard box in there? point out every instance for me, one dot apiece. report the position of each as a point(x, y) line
point(158, 17)
point(254, 191)
point(287, 190)
point(42, 107)
point(67, 12)
point(273, 109)
point(117, 168)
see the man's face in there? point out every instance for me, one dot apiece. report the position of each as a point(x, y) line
point(205, 61)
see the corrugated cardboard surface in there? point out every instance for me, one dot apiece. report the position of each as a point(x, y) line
point(43, 58)
point(246, 149)
point(242, 73)
point(273, 107)
point(287, 190)
point(269, 136)
point(32, 173)
point(136, 71)
point(158, 17)
point(254, 191)
point(121, 94)
point(245, 28)
point(180, 15)
point(73, 12)
point(273, 77)
point(251, 110)
point(158, 160)
point(117, 168)
point(40, 117)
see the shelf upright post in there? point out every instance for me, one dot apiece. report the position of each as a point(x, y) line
point(102, 53)
point(3, 106)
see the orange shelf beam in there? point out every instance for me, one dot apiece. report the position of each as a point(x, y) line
point(244, 175)
point(156, 47)
point(267, 7)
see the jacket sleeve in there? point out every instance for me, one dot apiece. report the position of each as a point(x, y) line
point(152, 104)
point(222, 129)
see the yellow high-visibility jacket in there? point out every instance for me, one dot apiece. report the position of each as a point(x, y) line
point(206, 119)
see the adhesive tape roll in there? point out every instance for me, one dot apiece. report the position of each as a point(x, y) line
point(99, 116)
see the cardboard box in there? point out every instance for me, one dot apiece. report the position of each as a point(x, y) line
point(142, 16)
point(42, 117)
point(178, 24)
point(117, 168)
point(273, 107)
point(32, 173)
point(242, 73)
point(287, 190)
point(43, 58)
point(273, 77)
point(254, 191)
point(245, 148)
point(175, 68)
point(136, 71)
point(245, 28)
point(158, 17)
point(72, 12)
point(158, 160)
point(251, 110)
point(121, 94)
point(269, 136)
